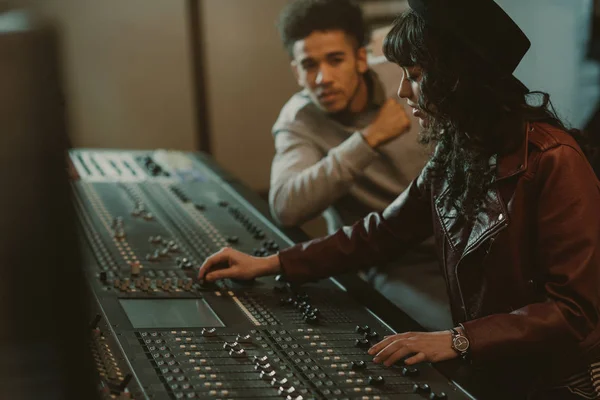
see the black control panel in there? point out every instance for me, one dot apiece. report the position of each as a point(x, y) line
point(149, 220)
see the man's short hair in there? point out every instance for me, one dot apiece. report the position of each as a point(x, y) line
point(300, 18)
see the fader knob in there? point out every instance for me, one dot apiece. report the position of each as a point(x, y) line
point(362, 343)
point(362, 329)
point(438, 396)
point(208, 332)
point(229, 346)
point(243, 338)
point(286, 390)
point(371, 335)
point(155, 239)
point(286, 301)
point(376, 380)
point(263, 367)
point(283, 382)
point(302, 297)
point(268, 375)
point(312, 319)
point(410, 372)
point(135, 267)
point(421, 388)
point(260, 360)
point(357, 365)
point(237, 353)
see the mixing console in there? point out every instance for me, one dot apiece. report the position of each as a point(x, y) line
point(149, 220)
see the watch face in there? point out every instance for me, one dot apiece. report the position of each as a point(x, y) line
point(461, 343)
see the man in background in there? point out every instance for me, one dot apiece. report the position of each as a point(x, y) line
point(346, 147)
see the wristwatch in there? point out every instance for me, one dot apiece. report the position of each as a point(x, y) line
point(460, 343)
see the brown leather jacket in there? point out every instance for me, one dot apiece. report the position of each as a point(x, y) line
point(523, 279)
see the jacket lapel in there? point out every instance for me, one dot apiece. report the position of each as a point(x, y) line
point(464, 238)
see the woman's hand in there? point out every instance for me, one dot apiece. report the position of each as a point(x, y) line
point(230, 263)
point(424, 346)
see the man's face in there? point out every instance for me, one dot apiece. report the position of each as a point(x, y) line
point(329, 66)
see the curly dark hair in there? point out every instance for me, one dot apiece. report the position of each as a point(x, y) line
point(474, 112)
point(302, 17)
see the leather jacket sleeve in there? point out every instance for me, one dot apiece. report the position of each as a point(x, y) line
point(568, 258)
point(377, 238)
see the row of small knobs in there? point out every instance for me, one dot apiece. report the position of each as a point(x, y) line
point(244, 220)
point(310, 314)
point(169, 248)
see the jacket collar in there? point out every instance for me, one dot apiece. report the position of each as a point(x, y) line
point(515, 162)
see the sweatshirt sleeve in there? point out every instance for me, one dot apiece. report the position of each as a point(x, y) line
point(377, 238)
point(305, 181)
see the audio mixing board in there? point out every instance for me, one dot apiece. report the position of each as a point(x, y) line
point(149, 220)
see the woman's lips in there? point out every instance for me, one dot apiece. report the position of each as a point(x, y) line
point(418, 113)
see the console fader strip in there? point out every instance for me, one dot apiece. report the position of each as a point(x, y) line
point(150, 219)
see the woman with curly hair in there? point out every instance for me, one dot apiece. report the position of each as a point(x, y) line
point(509, 196)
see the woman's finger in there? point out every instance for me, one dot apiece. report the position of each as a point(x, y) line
point(376, 348)
point(220, 257)
point(397, 356)
point(417, 358)
point(384, 354)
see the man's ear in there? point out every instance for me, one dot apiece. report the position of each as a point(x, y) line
point(361, 60)
point(294, 66)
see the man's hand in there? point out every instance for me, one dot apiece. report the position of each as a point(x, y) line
point(229, 263)
point(391, 122)
point(423, 346)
